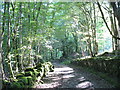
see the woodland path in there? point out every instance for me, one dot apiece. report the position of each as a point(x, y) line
point(69, 76)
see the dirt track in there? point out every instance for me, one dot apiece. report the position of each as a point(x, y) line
point(72, 77)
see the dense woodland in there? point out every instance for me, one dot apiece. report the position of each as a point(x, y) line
point(35, 33)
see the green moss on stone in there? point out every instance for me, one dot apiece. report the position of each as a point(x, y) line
point(35, 72)
point(23, 80)
point(38, 66)
point(6, 83)
point(29, 69)
point(15, 85)
point(29, 73)
point(20, 75)
point(30, 80)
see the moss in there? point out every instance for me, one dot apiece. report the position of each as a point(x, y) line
point(27, 78)
point(13, 80)
point(29, 73)
point(6, 83)
point(50, 66)
point(32, 74)
point(40, 69)
point(52, 69)
point(20, 75)
point(35, 72)
point(29, 69)
point(23, 80)
point(47, 69)
point(49, 63)
point(41, 74)
point(30, 81)
point(22, 84)
point(23, 72)
point(38, 66)
point(15, 85)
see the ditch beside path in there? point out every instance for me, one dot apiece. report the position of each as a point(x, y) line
point(69, 76)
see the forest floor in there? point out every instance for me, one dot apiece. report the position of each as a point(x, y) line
point(70, 76)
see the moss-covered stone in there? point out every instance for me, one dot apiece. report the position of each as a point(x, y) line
point(35, 72)
point(34, 78)
point(15, 85)
point(20, 75)
point(23, 80)
point(13, 80)
point(12, 84)
point(6, 83)
point(41, 74)
point(22, 84)
point(51, 67)
point(29, 73)
point(38, 65)
point(40, 69)
point(29, 69)
point(30, 80)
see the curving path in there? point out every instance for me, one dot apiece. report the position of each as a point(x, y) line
point(72, 77)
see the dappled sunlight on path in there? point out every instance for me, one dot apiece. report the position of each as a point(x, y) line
point(70, 77)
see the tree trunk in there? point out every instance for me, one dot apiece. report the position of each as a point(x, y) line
point(20, 65)
point(6, 42)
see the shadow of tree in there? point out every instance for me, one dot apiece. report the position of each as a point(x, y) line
point(65, 77)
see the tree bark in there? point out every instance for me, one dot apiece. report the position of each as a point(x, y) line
point(116, 10)
point(6, 42)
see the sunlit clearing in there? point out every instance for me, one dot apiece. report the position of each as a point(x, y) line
point(64, 70)
point(51, 85)
point(68, 76)
point(85, 57)
point(81, 79)
point(85, 84)
point(56, 78)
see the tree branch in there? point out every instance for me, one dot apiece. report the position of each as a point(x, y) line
point(106, 22)
point(38, 11)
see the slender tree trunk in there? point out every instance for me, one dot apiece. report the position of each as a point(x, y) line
point(106, 22)
point(95, 44)
point(1, 63)
point(76, 41)
point(29, 29)
point(20, 65)
point(1, 42)
point(6, 42)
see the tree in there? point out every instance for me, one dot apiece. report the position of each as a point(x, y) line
point(114, 32)
point(6, 42)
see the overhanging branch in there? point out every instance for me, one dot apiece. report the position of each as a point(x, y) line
point(106, 22)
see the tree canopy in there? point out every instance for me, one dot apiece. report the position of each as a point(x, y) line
point(34, 32)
